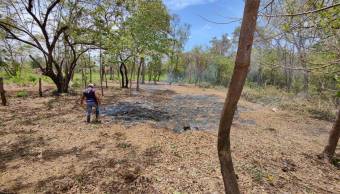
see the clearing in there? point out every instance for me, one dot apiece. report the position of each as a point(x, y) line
point(159, 140)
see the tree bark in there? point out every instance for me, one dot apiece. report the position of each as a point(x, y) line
point(126, 76)
point(333, 139)
point(111, 73)
point(40, 88)
point(143, 73)
point(90, 75)
point(241, 68)
point(101, 66)
point(83, 78)
point(90, 68)
point(2, 92)
point(132, 72)
point(141, 62)
point(105, 78)
point(122, 74)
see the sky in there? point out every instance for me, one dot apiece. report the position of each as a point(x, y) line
point(202, 31)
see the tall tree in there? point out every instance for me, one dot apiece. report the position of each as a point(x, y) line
point(45, 26)
point(242, 64)
point(179, 35)
point(222, 46)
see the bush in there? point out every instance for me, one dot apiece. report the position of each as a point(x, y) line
point(266, 96)
point(321, 114)
point(76, 83)
point(22, 94)
point(32, 78)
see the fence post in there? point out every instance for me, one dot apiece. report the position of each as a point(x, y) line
point(2, 92)
point(40, 88)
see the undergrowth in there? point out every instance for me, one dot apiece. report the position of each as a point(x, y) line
point(314, 106)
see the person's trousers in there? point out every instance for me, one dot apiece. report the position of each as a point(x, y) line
point(90, 106)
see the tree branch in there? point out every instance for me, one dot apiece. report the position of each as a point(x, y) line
point(302, 13)
point(208, 20)
point(48, 11)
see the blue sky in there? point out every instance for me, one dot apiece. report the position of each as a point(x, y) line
point(202, 31)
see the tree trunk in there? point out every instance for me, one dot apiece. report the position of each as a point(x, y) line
point(159, 76)
point(118, 75)
point(40, 88)
point(85, 74)
point(83, 78)
point(143, 73)
point(333, 139)
point(111, 73)
point(305, 73)
point(132, 72)
point(90, 68)
point(126, 76)
point(150, 76)
point(141, 62)
point(62, 87)
point(241, 68)
point(105, 78)
point(2, 92)
point(90, 75)
point(122, 74)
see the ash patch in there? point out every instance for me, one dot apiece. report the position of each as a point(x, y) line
point(173, 111)
point(193, 112)
point(135, 111)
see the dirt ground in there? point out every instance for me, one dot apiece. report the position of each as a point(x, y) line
point(46, 146)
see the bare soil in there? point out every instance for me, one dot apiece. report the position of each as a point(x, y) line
point(159, 140)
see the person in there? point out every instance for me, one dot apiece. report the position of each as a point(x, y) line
point(92, 100)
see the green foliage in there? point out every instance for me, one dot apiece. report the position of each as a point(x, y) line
point(337, 79)
point(22, 94)
point(76, 82)
point(25, 77)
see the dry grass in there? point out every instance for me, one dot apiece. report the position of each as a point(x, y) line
point(46, 147)
point(313, 107)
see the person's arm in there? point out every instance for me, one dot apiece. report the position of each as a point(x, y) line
point(97, 98)
point(82, 100)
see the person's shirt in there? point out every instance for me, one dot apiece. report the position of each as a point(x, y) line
point(90, 95)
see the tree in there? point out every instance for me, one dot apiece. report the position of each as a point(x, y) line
point(149, 26)
point(242, 64)
point(304, 36)
point(12, 57)
point(179, 35)
point(50, 28)
point(333, 139)
point(220, 47)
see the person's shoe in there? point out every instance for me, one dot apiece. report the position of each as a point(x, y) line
point(97, 121)
point(88, 120)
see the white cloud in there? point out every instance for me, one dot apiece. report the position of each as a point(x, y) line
point(181, 4)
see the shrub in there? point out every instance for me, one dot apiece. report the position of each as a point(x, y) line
point(22, 93)
point(32, 78)
point(322, 114)
point(76, 83)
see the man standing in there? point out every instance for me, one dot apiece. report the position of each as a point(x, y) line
point(92, 100)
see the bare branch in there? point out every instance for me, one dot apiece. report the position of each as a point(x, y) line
point(302, 13)
point(49, 9)
point(206, 19)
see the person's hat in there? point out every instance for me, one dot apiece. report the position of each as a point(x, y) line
point(90, 85)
